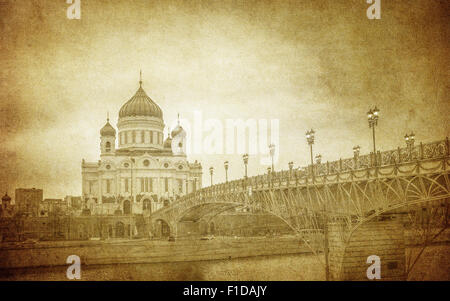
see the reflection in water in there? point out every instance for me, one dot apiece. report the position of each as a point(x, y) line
point(263, 268)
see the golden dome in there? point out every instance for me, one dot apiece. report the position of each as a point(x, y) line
point(140, 105)
point(108, 130)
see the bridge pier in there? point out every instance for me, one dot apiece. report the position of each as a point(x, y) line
point(382, 236)
point(188, 229)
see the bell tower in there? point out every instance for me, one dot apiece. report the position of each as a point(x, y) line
point(178, 140)
point(107, 139)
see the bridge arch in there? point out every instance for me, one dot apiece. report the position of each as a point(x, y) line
point(161, 228)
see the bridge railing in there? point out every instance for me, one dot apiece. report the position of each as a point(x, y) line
point(422, 151)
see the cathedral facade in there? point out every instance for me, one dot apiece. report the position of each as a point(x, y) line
point(139, 171)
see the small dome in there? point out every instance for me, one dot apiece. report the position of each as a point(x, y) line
point(108, 130)
point(177, 130)
point(168, 143)
point(140, 105)
point(6, 198)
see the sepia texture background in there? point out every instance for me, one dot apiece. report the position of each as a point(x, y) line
point(310, 64)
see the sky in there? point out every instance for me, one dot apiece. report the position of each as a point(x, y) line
point(309, 64)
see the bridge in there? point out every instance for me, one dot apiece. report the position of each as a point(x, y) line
point(334, 207)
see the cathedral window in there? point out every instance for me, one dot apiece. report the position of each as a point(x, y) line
point(146, 163)
point(180, 185)
point(142, 137)
point(151, 137)
point(166, 184)
point(126, 137)
point(108, 186)
point(108, 147)
point(126, 185)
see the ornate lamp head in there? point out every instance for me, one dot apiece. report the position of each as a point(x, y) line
point(318, 159)
point(291, 165)
point(356, 150)
point(310, 136)
point(245, 158)
point(372, 116)
point(409, 139)
point(272, 149)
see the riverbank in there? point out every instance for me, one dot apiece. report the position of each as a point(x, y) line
point(48, 254)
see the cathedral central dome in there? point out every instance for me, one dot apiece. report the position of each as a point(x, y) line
point(140, 105)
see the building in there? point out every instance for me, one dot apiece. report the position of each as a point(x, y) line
point(139, 171)
point(56, 206)
point(27, 201)
point(73, 202)
point(6, 209)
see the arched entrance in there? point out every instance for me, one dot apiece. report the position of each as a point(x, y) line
point(120, 229)
point(162, 229)
point(212, 228)
point(126, 207)
point(147, 205)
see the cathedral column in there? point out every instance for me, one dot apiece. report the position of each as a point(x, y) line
point(117, 183)
point(100, 188)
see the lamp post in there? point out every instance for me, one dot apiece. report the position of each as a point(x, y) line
point(409, 139)
point(291, 166)
point(225, 164)
point(132, 197)
point(318, 159)
point(356, 150)
point(372, 117)
point(310, 140)
point(245, 158)
point(211, 172)
point(272, 153)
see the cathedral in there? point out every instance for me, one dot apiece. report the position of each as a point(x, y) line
point(139, 171)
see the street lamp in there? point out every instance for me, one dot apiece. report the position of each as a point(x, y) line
point(272, 153)
point(291, 165)
point(211, 172)
point(310, 140)
point(318, 159)
point(409, 139)
point(245, 158)
point(356, 150)
point(372, 117)
point(132, 197)
point(225, 164)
